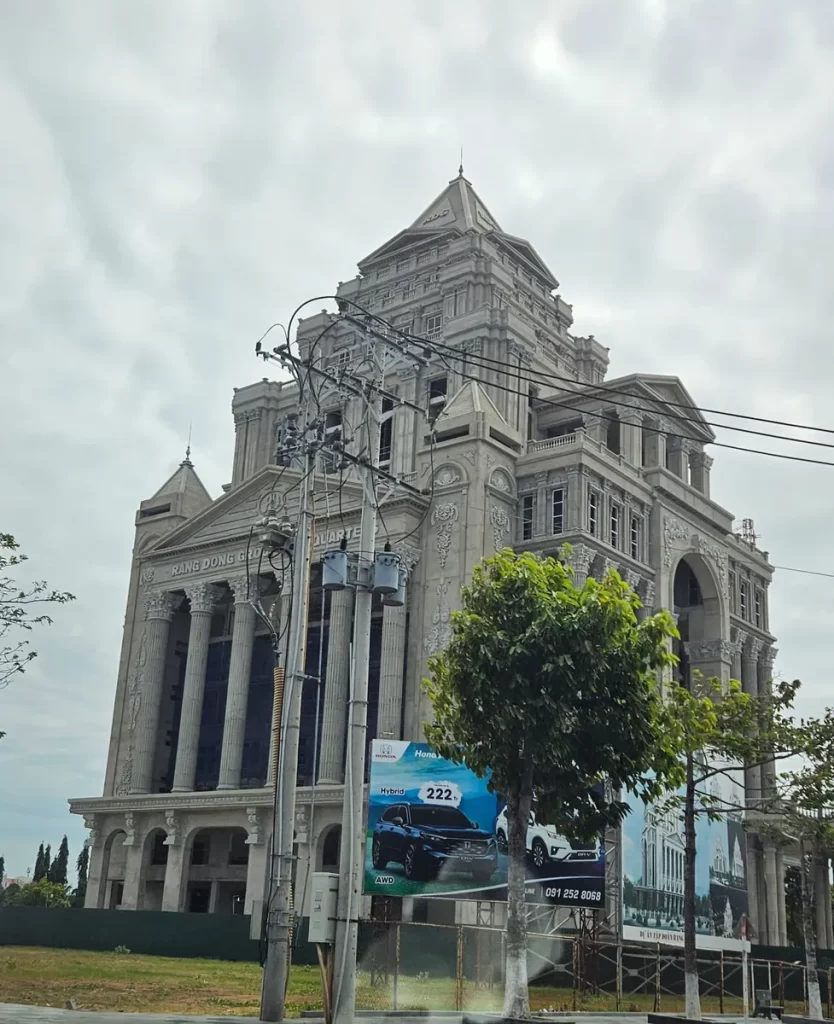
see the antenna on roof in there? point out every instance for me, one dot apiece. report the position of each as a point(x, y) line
point(460, 169)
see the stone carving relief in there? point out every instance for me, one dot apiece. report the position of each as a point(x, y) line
point(447, 476)
point(159, 604)
point(500, 525)
point(769, 656)
point(136, 683)
point(409, 556)
point(632, 578)
point(92, 823)
point(440, 633)
point(710, 650)
point(242, 587)
point(647, 597)
point(673, 530)
point(580, 558)
point(202, 597)
point(501, 481)
point(443, 518)
point(147, 576)
point(254, 826)
point(130, 829)
point(173, 826)
point(719, 558)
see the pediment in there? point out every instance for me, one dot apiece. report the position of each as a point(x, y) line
point(668, 391)
point(230, 519)
point(529, 254)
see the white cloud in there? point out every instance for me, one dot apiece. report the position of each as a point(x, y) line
point(177, 176)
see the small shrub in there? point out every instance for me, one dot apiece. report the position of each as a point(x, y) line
point(121, 949)
point(423, 977)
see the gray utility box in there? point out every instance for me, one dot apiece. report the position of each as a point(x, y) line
point(325, 894)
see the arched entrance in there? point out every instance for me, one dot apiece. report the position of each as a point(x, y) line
point(113, 862)
point(215, 873)
point(696, 603)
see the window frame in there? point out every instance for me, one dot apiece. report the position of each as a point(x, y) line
point(528, 515)
point(561, 492)
point(615, 524)
point(592, 504)
point(635, 536)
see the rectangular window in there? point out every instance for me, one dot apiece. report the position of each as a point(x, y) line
point(527, 517)
point(330, 457)
point(238, 850)
point(634, 538)
point(437, 396)
point(593, 513)
point(616, 518)
point(559, 510)
point(434, 326)
point(423, 257)
point(386, 431)
point(744, 599)
point(403, 264)
point(200, 851)
point(459, 302)
point(758, 609)
point(733, 593)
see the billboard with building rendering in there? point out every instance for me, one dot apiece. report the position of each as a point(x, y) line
point(435, 829)
point(653, 865)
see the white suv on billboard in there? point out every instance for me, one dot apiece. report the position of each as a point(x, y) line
point(545, 844)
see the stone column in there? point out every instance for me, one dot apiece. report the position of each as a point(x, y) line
point(678, 458)
point(647, 600)
point(202, 597)
point(754, 887)
point(149, 678)
point(405, 424)
point(699, 466)
point(655, 444)
point(256, 866)
point(771, 885)
point(173, 892)
point(134, 851)
point(237, 694)
point(391, 673)
point(96, 869)
point(765, 676)
point(631, 437)
point(580, 561)
point(541, 512)
point(780, 898)
point(749, 652)
point(334, 722)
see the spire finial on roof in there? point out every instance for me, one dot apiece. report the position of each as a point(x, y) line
point(187, 460)
point(460, 169)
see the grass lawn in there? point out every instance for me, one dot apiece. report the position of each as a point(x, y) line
point(130, 982)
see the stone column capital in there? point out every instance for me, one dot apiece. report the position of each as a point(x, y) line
point(769, 656)
point(754, 646)
point(701, 459)
point(92, 822)
point(244, 587)
point(202, 597)
point(160, 604)
point(741, 637)
point(173, 827)
point(632, 578)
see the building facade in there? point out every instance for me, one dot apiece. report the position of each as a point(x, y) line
point(527, 443)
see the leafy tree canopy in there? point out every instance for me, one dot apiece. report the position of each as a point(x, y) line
point(39, 894)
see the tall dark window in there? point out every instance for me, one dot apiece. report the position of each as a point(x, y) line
point(527, 517)
point(593, 513)
point(558, 508)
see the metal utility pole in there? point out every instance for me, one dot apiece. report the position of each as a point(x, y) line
point(280, 910)
point(351, 859)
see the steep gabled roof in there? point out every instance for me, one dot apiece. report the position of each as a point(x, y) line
point(471, 399)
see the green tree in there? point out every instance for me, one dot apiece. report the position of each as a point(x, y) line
point(803, 813)
point(8, 895)
point(2, 870)
point(58, 867)
point(82, 866)
point(47, 861)
point(518, 692)
point(40, 894)
point(714, 726)
point(20, 610)
point(40, 865)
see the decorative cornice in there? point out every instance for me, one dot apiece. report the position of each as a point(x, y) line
point(159, 803)
point(709, 650)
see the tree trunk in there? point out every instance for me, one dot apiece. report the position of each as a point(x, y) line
point(516, 996)
point(807, 872)
point(690, 956)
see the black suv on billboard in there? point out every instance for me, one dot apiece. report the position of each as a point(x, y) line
point(426, 839)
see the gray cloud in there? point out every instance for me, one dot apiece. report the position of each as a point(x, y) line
point(175, 177)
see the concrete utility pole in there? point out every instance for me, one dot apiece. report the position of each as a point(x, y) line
point(351, 853)
point(280, 910)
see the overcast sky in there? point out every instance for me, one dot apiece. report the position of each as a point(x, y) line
point(175, 176)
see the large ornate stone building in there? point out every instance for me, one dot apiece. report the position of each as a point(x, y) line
point(531, 446)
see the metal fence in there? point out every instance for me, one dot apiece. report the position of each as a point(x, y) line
point(415, 966)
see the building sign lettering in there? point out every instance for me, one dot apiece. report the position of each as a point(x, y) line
point(223, 560)
point(437, 215)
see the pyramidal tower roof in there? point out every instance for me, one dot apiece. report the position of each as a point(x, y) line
point(459, 210)
point(185, 482)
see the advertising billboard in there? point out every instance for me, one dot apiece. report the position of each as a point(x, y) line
point(653, 865)
point(435, 829)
